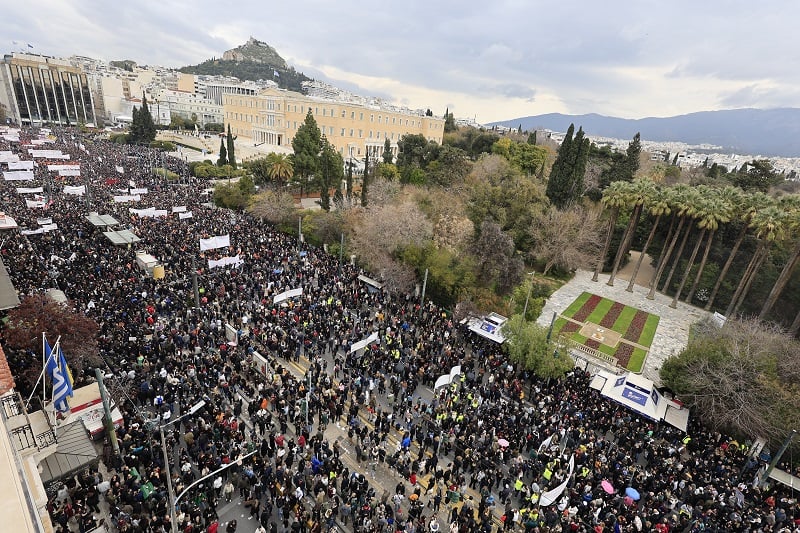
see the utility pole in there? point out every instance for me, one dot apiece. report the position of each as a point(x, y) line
point(107, 419)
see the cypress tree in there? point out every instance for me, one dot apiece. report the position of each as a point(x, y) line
point(231, 148)
point(387, 151)
point(560, 175)
point(223, 154)
point(364, 182)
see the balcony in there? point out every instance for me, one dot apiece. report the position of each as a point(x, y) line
point(28, 431)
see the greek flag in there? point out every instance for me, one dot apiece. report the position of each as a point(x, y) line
point(60, 375)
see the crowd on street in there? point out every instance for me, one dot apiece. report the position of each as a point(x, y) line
point(318, 436)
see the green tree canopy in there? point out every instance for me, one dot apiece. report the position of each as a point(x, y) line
point(528, 346)
point(307, 146)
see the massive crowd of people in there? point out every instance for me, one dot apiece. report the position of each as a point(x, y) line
point(467, 457)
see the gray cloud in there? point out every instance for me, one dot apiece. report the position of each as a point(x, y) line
point(589, 57)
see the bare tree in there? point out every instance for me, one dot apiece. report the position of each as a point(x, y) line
point(740, 378)
point(567, 239)
point(274, 206)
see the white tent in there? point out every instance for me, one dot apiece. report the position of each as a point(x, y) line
point(640, 395)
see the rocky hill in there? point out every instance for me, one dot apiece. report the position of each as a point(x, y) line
point(253, 60)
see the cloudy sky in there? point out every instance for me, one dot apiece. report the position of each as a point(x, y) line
point(490, 60)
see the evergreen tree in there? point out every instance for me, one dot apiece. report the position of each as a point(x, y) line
point(350, 180)
point(560, 175)
point(231, 148)
point(306, 146)
point(449, 121)
point(566, 177)
point(532, 138)
point(223, 154)
point(332, 167)
point(387, 151)
point(519, 129)
point(675, 160)
point(364, 181)
point(632, 157)
point(143, 129)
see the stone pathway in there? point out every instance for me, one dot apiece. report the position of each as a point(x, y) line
point(672, 334)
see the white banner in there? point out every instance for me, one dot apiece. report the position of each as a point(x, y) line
point(119, 169)
point(69, 172)
point(220, 241)
point(78, 190)
point(121, 199)
point(225, 261)
point(49, 227)
point(34, 203)
point(150, 212)
point(32, 231)
point(363, 342)
point(59, 168)
point(7, 156)
point(138, 191)
point(18, 175)
point(19, 165)
point(549, 497)
point(44, 221)
point(179, 209)
point(286, 295)
point(182, 216)
point(29, 190)
point(442, 381)
point(47, 154)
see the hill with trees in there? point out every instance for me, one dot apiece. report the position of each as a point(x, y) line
point(254, 60)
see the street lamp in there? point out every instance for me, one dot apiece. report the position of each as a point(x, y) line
point(172, 500)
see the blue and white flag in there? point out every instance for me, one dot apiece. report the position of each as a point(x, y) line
point(60, 375)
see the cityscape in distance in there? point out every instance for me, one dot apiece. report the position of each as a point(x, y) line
point(728, 138)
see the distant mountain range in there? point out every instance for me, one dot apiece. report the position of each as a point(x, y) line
point(767, 132)
point(254, 60)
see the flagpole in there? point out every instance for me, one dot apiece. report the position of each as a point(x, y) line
point(41, 375)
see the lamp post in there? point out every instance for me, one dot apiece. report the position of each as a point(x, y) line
point(210, 474)
point(172, 499)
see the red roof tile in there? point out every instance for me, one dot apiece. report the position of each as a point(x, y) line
point(6, 379)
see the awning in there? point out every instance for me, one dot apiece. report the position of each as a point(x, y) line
point(371, 282)
point(121, 237)
point(640, 395)
point(8, 294)
point(101, 220)
point(490, 327)
point(73, 452)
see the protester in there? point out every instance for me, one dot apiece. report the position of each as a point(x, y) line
point(442, 448)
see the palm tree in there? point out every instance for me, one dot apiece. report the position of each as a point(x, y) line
point(658, 206)
point(750, 204)
point(677, 197)
point(280, 168)
point(710, 210)
point(723, 211)
point(615, 197)
point(688, 210)
point(768, 225)
point(637, 195)
point(791, 205)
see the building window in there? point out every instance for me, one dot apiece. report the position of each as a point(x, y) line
point(360, 133)
point(343, 114)
point(372, 118)
point(361, 116)
point(342, 134)
point(352, 115)
point(324, 112)
point(351, 132)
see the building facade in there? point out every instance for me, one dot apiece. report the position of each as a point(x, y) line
point(37, 89)
point(273, 117)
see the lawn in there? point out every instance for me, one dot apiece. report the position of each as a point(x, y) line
point(636, 327)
